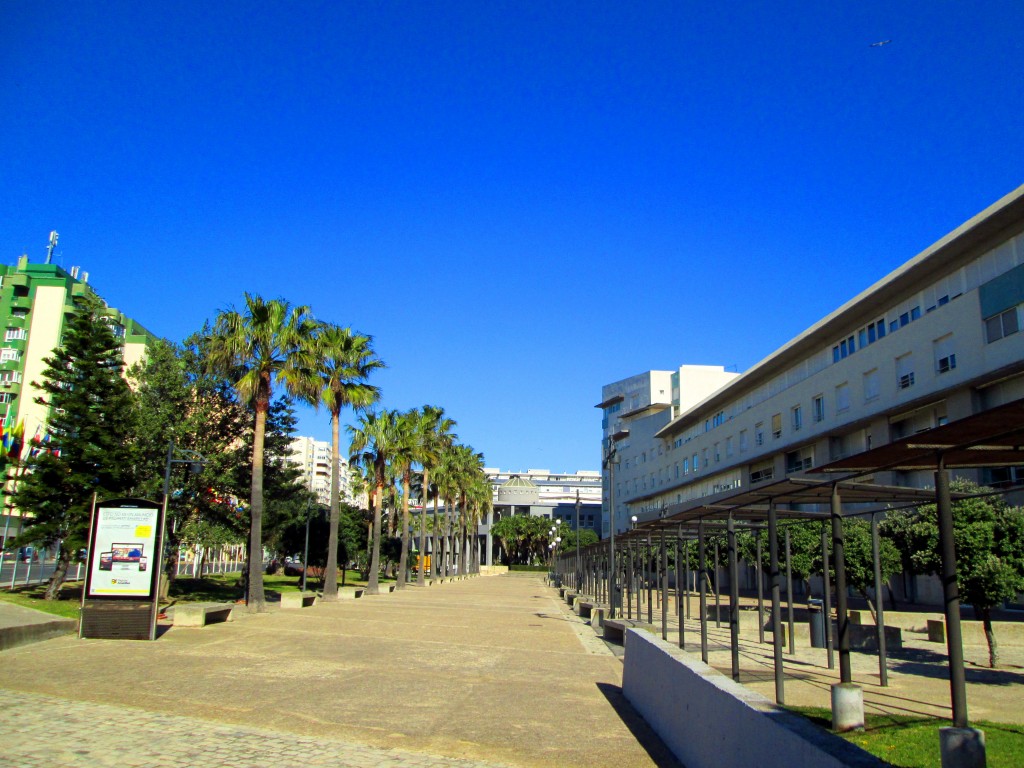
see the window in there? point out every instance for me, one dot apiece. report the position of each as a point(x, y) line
point(776, 426)
point(15, 334)
point(1003, 324)
point(728, 447)
point(743, 440)
point(819, 408)
point(798, 418)
point(718, 456)
point(6, 397)
point(842, 397)
point(7, 354)
point(872, 386)
point(704, 457)
point(761, 472)
point(905, 371)
point(945, 357)
point(10, 377)
point(798, 461)
point(686, 466)
point(696, 463)
point(759, 433)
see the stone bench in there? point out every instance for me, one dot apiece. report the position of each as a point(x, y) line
point(349, 593)
point(298, 599)
point(597, 614)
point(569, 596)
point(615, 629)
point(201, 614)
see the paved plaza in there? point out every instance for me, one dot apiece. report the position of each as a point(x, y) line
point(487, 671)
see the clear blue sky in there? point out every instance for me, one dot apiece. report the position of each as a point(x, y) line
point(520, 201)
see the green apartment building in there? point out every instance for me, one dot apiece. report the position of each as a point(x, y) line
point(35, 302)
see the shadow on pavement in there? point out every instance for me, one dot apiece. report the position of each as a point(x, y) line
point(641, 731)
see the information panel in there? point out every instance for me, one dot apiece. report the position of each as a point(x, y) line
point(122, 554)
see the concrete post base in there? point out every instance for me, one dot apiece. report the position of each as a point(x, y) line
point(847, 707)
point(962, 747)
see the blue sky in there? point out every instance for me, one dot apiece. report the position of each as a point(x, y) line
point(520, 201)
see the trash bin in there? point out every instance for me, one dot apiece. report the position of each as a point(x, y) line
point(816, 619)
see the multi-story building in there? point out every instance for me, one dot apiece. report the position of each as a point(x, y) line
point(636, 405)
point(936, 340)
point(313, 457)
point(35, 302)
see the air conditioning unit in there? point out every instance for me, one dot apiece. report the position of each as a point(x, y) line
point(906, 381)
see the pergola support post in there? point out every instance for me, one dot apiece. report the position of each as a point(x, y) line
point(734, 600)
point(702, 578)
point(826, 581)
point(883, 667)
point(776, 589)
point(760, 593)
point(664, 587)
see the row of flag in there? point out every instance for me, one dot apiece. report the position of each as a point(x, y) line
point(12, 441)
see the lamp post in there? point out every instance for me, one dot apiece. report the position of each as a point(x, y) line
point(611, 459)
point(195, 460)
point(579, 561)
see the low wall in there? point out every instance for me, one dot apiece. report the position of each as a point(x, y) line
point(706, 719)
point(491, 570)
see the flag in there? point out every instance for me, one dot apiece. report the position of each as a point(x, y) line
point(5, 439)
point(37, 442)
point(17, 440)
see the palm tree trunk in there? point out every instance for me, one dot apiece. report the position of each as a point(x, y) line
point(424, 493)
point(254, 597)
point(403, 560)
point(373, 585)
point(331, 569)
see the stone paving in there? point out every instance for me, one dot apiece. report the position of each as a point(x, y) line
point(42, 731)
point(486, 671)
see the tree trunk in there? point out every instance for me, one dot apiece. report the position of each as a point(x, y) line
point(373, 582)
point(59, 574)
point(331, 569)
point(990, 636)
point(403, 561)
point(254, 597)
point(424, 494)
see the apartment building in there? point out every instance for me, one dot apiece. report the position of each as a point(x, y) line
point(313, 457)
point(935, 340)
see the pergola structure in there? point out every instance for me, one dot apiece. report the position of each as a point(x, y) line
point(992, 438)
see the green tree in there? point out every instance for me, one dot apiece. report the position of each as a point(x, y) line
point(373, 442)
point(988, 536)
point(345, 361)
point(266, 343)
point(90, 425)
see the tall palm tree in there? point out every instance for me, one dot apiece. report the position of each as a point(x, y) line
point(411, 428)
point(345, 361)
point(376, 438)
point(267, 343)
point(436, 437)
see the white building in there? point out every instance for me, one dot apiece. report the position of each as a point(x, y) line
point(313, 457)
point(638, 404)
point(935, 340)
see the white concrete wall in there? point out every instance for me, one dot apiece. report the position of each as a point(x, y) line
point(706, 719)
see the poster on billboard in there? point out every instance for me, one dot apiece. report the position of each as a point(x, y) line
point(123, 550)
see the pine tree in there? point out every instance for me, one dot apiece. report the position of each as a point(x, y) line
point(90, 422)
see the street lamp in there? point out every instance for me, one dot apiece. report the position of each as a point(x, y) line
point(195, 461)
point(633, 519)
point(610, 460)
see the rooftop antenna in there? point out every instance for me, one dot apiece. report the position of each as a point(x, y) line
point(53, 244)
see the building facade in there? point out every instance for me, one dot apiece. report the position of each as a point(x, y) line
point(35, 302)
point(936, 340)
point(630, 409)
point(313, 457)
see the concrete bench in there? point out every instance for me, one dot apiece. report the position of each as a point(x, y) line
point(201, 614)
point(597, 614)
point(349, 593)
point(569, 596)
point(298, 599)
point(615, 629)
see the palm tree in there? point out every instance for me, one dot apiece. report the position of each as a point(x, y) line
point(411, 427)
point(345, 361)
point(376, 438)
point(268, 342)
point(436, 437)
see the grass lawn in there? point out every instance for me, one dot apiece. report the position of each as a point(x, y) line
point(66, 606)
point(913, 742)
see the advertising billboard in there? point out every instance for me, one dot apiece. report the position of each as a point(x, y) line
point(122, 548)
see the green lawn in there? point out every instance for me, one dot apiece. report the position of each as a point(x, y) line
point(913, 742)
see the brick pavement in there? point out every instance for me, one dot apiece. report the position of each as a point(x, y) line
point(490, 670)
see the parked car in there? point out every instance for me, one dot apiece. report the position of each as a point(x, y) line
point(293, 568)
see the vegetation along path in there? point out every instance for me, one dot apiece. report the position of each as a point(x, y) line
point(485, 670)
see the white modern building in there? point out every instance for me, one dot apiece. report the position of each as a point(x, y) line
point(314, 458)
point(937, 339)
point(631, 408)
